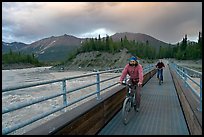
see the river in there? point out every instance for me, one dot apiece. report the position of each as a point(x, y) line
point(18, 77)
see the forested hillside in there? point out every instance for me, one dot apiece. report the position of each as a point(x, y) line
point(183, 50)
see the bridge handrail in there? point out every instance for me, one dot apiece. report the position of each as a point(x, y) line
point(183, 72)
point(17, 106)
point(148, 68)
point(57, 80)
point(199, 74)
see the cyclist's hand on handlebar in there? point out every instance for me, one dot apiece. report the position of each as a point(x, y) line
point(139, 84)
point(120, 82)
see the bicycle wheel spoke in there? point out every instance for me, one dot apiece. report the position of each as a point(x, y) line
point(126, 109)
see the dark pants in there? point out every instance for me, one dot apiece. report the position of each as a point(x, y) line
point(160, 72)
point(138, 91)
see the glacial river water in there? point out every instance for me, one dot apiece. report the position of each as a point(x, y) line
point(20, 77)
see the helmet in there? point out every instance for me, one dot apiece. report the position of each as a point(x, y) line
point(133, 58)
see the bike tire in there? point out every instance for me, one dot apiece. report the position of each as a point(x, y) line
point(160, 81)
point(126, 109)
point(134, 102)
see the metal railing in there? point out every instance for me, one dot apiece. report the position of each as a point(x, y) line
point(64, 93)
point(187, 73)
point(148, 68)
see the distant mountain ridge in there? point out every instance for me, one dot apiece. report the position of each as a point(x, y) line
point(14, 46)
point(53, 48)
point(57, 48)
point(139, 37)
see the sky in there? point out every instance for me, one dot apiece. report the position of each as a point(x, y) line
point(166, 21)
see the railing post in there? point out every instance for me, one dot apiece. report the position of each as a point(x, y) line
point(64, 92)
point(149, 67)
point(181, 70)
point(98, 86)
point(200, 106)
point(185, 77)
point(176, 68)
point(172, 66)
point(181, 74)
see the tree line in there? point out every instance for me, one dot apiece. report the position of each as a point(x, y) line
point(188, 50)
point(183, 50)
point(17, 57)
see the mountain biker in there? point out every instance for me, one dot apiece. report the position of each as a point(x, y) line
point(160, 65)
point(135, 71)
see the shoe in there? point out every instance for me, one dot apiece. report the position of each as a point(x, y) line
point(162, 81)
point(137, 109)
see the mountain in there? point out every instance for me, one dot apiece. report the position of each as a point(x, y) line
point(14, 46)
point(57, 48)
point(53, 48)
point(95, 60)
point(140, 38)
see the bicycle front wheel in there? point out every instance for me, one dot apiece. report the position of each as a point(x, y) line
point(159, 80)
point(126, 109)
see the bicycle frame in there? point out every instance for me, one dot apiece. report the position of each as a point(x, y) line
point(128, 102)
point(130, 92)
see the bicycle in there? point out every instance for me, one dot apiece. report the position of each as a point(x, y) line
point(129, 102)
point(160, 78)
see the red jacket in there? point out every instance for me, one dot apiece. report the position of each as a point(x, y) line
point(133, 72)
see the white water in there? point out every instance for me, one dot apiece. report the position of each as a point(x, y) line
point(19, 77)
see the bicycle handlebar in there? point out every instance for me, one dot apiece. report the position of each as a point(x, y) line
point(126, 84)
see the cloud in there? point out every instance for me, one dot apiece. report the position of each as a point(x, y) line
point(176, 21)
point(166, 21)
point(95, 33)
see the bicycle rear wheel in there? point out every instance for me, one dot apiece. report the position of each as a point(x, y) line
point(126, 109)
point(159, 80)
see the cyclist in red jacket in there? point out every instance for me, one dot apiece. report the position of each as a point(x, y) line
point(135, 71)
